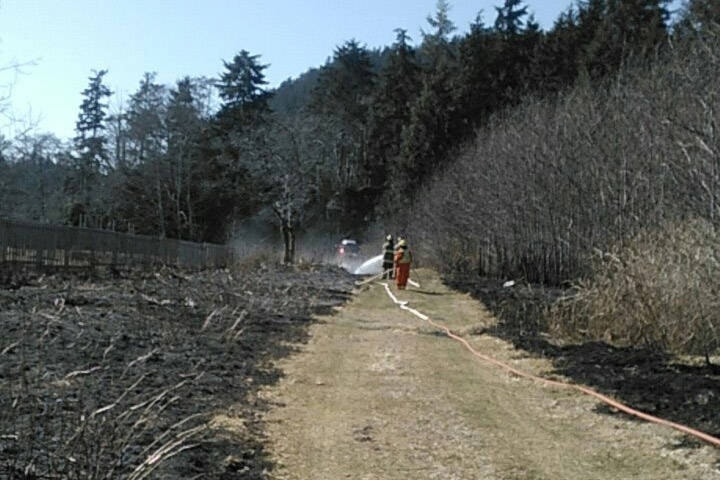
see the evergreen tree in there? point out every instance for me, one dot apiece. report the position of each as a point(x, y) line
point(242, 88)
point(627, 27)
point(509, 21)
point(518, 37)
point(146, 120)
point(442, 28)
point(555, 64)
point(184, 126)
point(147, 205)
point(698, 16)
point(230, 146)
point(91, 156)
point(520, 54)
point(345, 84)
point(481, 59)
point(434, 124)
point(397, 87)
point(343, 96)
point(158, 141)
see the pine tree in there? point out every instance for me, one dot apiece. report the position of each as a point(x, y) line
point(397, 87)
point(184, 126)
point(509, 21)
point(230, 147)
point(242, 88)
point(91, 156)
point(345, 84)
point(145, 120)
point(557, 57)
point(442, 28)
point(481, 59)
point(434, 125)
point(627, 27)
point(343, 96)
point(698, 16)
point(147, 136)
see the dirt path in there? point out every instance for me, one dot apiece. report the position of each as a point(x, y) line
point(378, 394)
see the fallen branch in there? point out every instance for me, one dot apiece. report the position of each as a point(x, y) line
point(210, 317)
point(77, 373)
point(9, 347)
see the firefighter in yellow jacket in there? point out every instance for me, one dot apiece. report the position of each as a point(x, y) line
point(403, 259)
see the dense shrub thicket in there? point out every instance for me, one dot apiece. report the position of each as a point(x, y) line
point(618, 185)
point(660, 290)
point(551, 182)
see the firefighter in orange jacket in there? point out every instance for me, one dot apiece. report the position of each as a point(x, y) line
point(403, 259)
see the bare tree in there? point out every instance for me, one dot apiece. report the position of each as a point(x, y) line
point(292, 167)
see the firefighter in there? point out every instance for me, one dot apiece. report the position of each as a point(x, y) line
point(403, 259)
point(388, 258)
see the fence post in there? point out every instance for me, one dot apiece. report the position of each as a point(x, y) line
point(3, 241)
point(114, 246)
point(45, 245)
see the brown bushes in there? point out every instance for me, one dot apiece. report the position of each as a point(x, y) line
point(550, 182)
point(598, 183)
point(661, 289)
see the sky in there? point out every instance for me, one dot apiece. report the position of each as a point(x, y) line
point(59, 42)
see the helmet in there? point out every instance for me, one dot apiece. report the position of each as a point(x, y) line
point(402, 243)
point(389, 237)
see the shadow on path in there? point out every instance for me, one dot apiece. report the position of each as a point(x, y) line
point(649, 381)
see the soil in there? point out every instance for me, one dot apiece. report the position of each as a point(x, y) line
point(379, 394)
point(148, 374)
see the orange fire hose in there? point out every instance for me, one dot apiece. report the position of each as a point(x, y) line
point(556, 383)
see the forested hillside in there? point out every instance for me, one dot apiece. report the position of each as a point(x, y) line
point(341, 147)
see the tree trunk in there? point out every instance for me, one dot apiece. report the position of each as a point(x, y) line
point(178, 198)
point(188, 201)
point(288, 233)
point(160, 207)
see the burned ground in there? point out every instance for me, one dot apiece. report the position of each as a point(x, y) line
point(137, 375)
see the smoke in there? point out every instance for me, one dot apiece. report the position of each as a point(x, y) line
point(260, 236)
point(256, 236)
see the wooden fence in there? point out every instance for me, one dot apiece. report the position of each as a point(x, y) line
point(60, 246)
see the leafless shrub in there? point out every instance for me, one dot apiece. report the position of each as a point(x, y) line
point(661, 289)
point(546, 184)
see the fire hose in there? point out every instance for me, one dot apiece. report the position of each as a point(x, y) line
point(555, 383)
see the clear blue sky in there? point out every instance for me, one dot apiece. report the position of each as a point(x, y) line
point(66, 39)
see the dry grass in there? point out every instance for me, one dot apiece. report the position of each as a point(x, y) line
point(660, 289)
point(378, 393)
